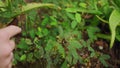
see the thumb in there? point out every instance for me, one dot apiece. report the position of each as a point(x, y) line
point(8, 32)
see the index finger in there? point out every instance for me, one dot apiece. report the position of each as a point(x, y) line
point(8, 32)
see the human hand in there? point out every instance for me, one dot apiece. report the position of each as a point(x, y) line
point(7, 45)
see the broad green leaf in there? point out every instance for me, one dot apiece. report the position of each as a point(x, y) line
point(114, 21)
point(78, 17)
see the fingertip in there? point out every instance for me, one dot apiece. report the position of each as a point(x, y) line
point(18, 29)
point(9, 31)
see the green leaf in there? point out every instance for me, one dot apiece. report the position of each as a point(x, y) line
point(23, 57)
point(49, 46)
point(69, 58)
point(53, 21)
point(45, 21)
point(32, 33)
point(70, 15)
point(61, 50)
point(74, 24)
point(90, 49)
point(28, 41)
point(60, 30)
point(90, 11)
point(30, 57)
point(74, 10)
point(45, 32)
point(114, 20)
point(103, 59)
point(75, 55)
point(84, 5)
point(23, 44)
point(92, 54)
point(75, 60)
point(118, 34)
point(74, 44)
point(105, 56)
point(64, 65)
point(78, 17)
point(117, 3)
point(32, 16)
point(71, 10)
point(91, 32)
point(39, 32)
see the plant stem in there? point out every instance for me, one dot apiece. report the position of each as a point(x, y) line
point(103, 36)
point(102, 19)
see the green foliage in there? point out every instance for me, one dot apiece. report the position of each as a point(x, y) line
point(7, 7)
point(102, 58)
point(62, 34)
point(113, 23)
point(116, 4)
point(91, 32)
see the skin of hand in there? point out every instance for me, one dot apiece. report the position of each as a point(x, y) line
point(7, 45)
